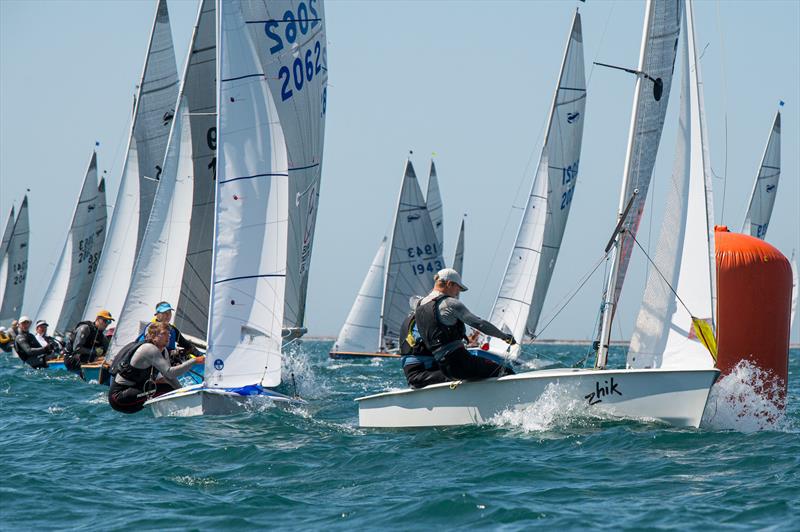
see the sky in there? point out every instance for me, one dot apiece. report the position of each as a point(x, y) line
point(470, 82)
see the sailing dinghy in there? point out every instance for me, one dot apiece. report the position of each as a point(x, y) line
point(14, 266)
point(765, 187)
point(253, 207)
point(666, 390)
point(414, 256)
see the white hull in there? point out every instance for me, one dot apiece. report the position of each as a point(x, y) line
point(677, 397)
point(199, 401)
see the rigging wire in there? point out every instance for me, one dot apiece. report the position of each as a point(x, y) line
point(725, 110)
point(662, 276)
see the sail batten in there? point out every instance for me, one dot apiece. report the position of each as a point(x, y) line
point(530, 267)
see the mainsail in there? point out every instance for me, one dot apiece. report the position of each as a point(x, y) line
point(250, 234)
point(433, 199)
point(359, 333)
point(530, 267)
point(651, 97)
point(65, 298)
point(147, 143)
point(414, 257)
point(183, 203)
point(16, 267)
point(289, 40)
point(765, 188)
point(458, 257)
point(101, 224)
point(665, 335)
point(7, 232)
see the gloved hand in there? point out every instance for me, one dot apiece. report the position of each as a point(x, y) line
point(510, 340)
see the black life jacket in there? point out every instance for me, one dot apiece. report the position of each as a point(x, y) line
point(433, 331)
point(411, 342)
point(69, 338)
point(122, 366)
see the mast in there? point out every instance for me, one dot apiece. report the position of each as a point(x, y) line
point(651, 97)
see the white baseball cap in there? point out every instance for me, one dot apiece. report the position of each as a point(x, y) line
point(23, 319)
point(449, 274)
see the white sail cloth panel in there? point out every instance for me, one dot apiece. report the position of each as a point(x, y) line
point(530, 267)
point(249, 268)
point(765, 188)
point(433, 199)
point(360, 331)
point(158, 270)
point(9, 227)
point(289, 38)
point(414, 258)
point(664, 336)
point(657, 60)
point(16, 267)
point(200, 95)
point(157, 94)
point(60, 306)
point(458, 256)
point(101, 228)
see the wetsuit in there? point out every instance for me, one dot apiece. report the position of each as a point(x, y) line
point(135, 374)
point(419, 365)
point(441, 320)
point(82, 347)
point(30, 351)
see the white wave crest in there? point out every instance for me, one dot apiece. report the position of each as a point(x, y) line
point(298, 373)
point(556, 407)
point(746, 400)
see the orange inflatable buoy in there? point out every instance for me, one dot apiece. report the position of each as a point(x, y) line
point(754, 287)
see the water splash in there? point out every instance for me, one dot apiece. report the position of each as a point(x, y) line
point(555, 408)
point(299, 375)
point(743, 401)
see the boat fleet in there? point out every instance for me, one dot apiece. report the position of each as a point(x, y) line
point(218, 199)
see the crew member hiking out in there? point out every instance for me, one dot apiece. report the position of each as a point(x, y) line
point(440, 318)
point(28, 347)
point(87, 342)
point(135, 369)
point(419, 366)
point(176, 339)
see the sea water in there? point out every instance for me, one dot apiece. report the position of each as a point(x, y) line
point(68, 461)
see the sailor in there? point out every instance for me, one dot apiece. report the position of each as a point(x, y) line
point(419, 366)
point(41, 334)
point(440, 317)
point(28, 347)
point(176, 339)
point(136, 366)
point(88, 341)
point(6, 340)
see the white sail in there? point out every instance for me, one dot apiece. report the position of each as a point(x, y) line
point(433, 199)
point(9, 227)
point(530, 267)
point(147, 142)
point(101, 225)
point(289, 38)
point(657, 60)
point(664, 336)
point(794, 291)
point(61, 306)
point(765, 188)
point(163, 265)
point(414, 258)
point(359, 333)
point(458, 257)
point(16, 267)
point(249, 268)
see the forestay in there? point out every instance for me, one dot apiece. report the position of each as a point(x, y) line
point(458, 257)
point(651, 98)
point(433, 200)
point(147, 142)
point(249, 265)
point(664, 336)
point(360, 331)
point(167, 268)
point(289, 40)
point(16, 266)
point(530, 267)
point(62, 306)
point(414, 258)
point(765, 188)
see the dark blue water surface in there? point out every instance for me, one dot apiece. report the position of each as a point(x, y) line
point(68, 461)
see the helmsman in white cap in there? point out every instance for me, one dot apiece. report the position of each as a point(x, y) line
point(441, 319)
point(28, 347)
